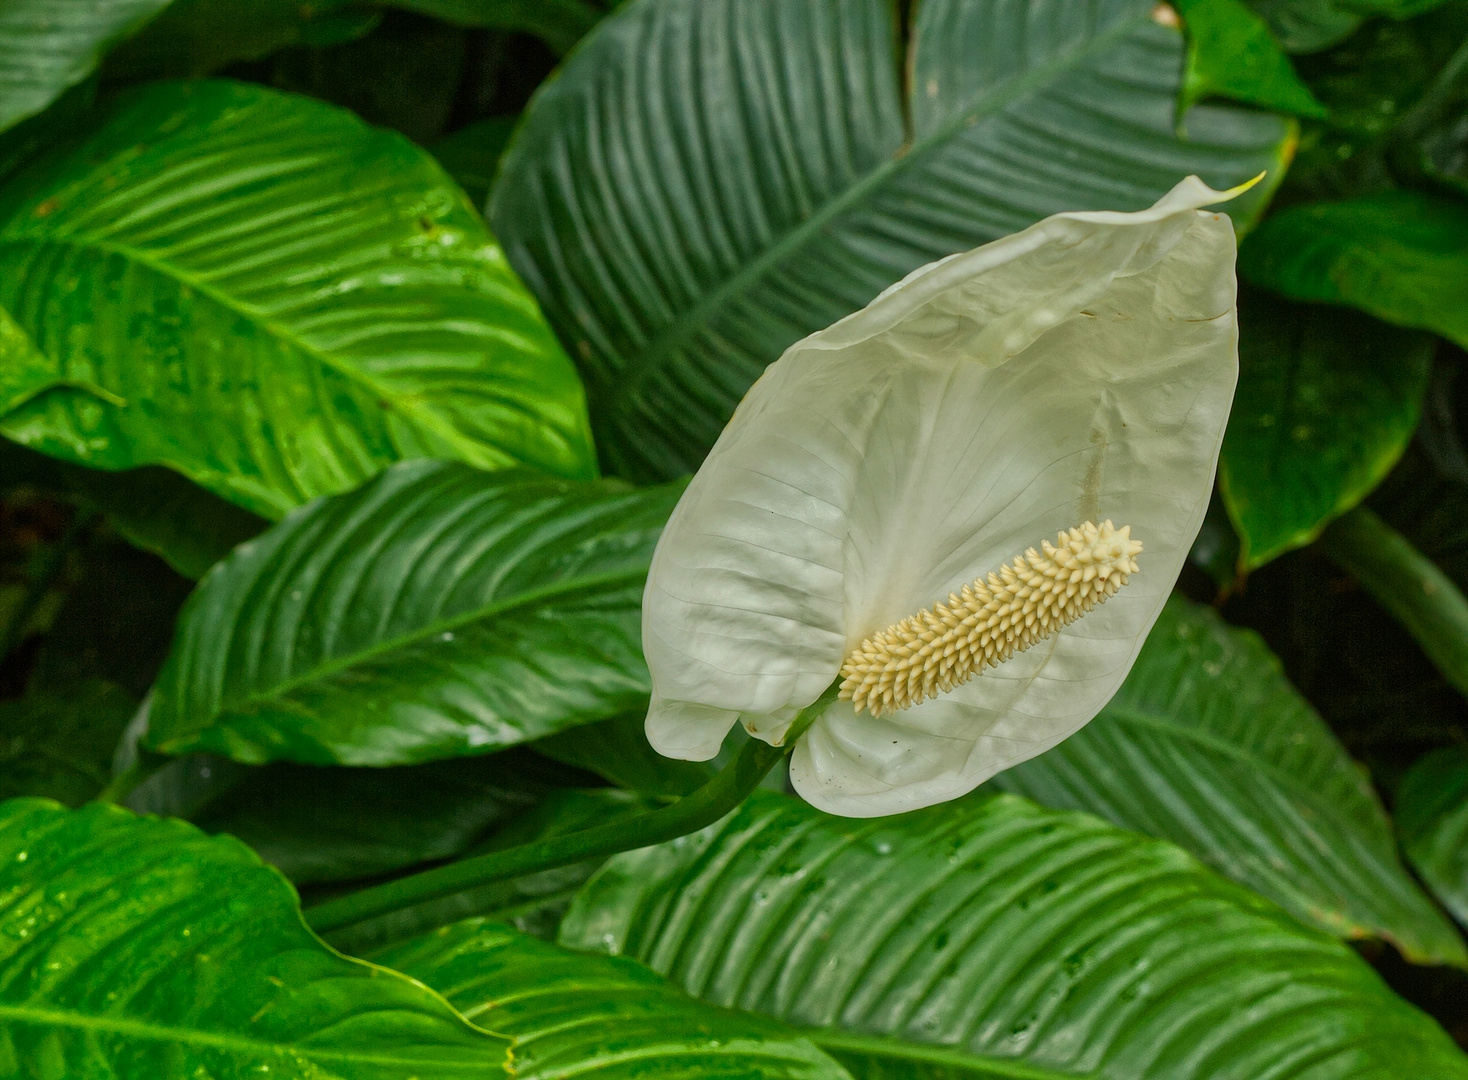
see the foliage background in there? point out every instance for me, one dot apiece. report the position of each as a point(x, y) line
point(221, 299)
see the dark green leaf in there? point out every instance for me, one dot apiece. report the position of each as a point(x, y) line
point(1401, 256)
point(571, 1014)
point(707, 182)
point(1209, 746)
point(1304, 26)
point(324, 823)
point(472, 154)
point(47, 46)
point(60, 745)
point(154, 509)
point(1432, 817)
point(138, 947)
point(559, 23)
point(988, 936)
point(534, 903)
point(1233, 54)
point(275, 300)
point(434, 612)
point(1327, 401)
point(198, 37)
point(617, 750)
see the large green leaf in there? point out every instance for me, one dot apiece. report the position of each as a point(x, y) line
point(436, 611)
point(47, 46)
point(708, 181)
point(1327, 401)
point(1303, 26)
point(138, 947)
point(618, 750)
point(1432, 817)
point(1208, 745)
point(988, 937)
point(1401, 256)
point(559, 23)
point(272, 298)
point(572, 1014)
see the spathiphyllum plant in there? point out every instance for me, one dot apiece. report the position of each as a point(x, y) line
point(733, 540)
point(939, 503)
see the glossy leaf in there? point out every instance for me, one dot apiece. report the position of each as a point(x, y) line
point(436, 611)
point(989, 937)
point(318, 823)
point(47, 46)
point(571, 1014)
point(1326, 403)
point(1233, 54)
point(1432, 817)
point(60, 745)
point(134, 947)
point(1209, 746)
point(1401, 256)
point(273, 299)
point(1305, 26)
point(707, 182)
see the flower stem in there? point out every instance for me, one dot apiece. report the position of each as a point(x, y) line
point(1408, 584)
point(726, 790)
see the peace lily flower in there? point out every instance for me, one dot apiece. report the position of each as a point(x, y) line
point(967, 502)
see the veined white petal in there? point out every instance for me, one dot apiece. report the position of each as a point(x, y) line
point(1081, 369)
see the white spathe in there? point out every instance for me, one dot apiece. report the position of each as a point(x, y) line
point(1079, 370)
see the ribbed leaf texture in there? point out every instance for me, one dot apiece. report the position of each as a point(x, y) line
point(929, 945)
point(571, 1014)
point(436, 611)
point(271, 297)
point(1432, 817)
point(1208, 745)
point(707, 181)
point(138, 947)
point(47, 46)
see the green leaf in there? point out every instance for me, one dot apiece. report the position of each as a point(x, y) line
point(761, 157)
point(534, 903)
point(987, 937)
point(434, 612)
point(1209, 746)
point(1233, 54)
point(472, 154)
point(1327, 401)
point(320, 823)
point(1305, 26)
point(60, 745)
point(138, 947)
point(559, 23)
point(47, 46)
point(571, 1014)
point(198, 37)
point(1401, 256)
point(274, 299)
point(1432, 818)
point(617, 750)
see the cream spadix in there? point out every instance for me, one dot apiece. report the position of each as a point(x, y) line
point(1079, 371)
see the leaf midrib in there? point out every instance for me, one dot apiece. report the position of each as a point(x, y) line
point(142, 1029)
point(407, 404)
point(993, 100)
point(952, 1056)
point(588, 584)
